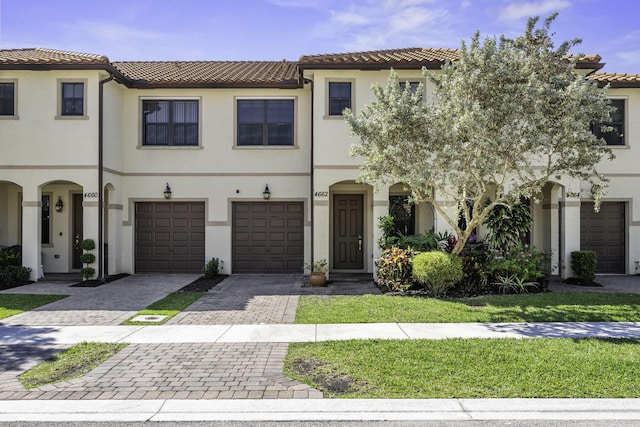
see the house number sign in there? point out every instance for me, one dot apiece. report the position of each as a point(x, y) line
point(321, 194)
point(91, 195)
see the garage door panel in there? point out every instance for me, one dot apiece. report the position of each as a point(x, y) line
point(170, 237)
point(605, 234)
point(274, 233)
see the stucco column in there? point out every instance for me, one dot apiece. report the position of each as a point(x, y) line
point(31, 230)
point(321, 230)
point(114, 217)
point(90, 225)
point(570, 236)
point(380, 208)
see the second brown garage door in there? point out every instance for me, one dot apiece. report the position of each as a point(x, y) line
point(268, 237)
point(169, 237)
point(604, 233)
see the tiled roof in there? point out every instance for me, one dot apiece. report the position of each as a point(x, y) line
point(397, 57)
point(210, 72)
point(48, 56)
point(403, 58)
point(616, 79)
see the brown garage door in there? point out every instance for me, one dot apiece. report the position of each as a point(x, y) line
point(604, 233)
point(268, 237)
point(169, 237)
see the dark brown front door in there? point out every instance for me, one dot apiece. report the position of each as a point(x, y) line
point(348, 230)
point(170, 237)
point(76, 233)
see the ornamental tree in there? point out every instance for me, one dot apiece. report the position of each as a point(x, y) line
point(508, 116)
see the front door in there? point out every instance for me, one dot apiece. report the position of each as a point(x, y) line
point(76, 231)
point(348, 230)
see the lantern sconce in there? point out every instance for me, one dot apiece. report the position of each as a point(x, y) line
point(59, 205)
point(266, 193)
point(167, 192)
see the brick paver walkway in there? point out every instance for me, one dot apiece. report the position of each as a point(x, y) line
point(170, 371)
point(108, 304)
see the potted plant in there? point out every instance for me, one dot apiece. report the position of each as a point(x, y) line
point(317, 272)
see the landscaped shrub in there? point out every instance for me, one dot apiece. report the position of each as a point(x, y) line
point(584, 264)
point(508, 225)
point(475, 275)
point(523, 262)
point(437, 271)
point(87, 258)
point(394, 270)
point(14, 274)
point(420, 242)
point(9, 257)
point(212, 268)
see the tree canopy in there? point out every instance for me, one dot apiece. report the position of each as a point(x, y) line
point(507, 117)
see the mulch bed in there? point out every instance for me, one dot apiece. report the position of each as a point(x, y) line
point(576, 281)
point(203, 285)
point(97, 282)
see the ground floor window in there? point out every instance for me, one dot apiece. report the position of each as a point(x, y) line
point(404, 215)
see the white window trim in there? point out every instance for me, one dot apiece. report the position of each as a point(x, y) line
point(328, 80)
point(141, 146)
point(85, 102)
point(15, 115)
point(265, 147)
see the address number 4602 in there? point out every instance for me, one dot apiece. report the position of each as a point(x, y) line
point(321, 194)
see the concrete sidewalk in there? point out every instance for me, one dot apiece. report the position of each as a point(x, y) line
point(278, 333)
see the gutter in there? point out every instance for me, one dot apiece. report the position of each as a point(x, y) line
point(101, 274)
point(311, 168)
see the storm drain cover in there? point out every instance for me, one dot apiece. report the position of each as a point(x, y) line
point(151, 318)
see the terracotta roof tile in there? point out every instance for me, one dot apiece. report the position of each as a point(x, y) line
point(616, 79)
point(48, 56)
point(409, 56)
point(210, 72)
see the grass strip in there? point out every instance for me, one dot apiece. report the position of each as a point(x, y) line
point(12, 304)
point(543, 307)
point(168, 306)
point(71, 363)
point(469, 368)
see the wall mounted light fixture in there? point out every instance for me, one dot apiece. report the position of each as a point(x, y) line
point(167, 192)
point(266, 193)
point(59, 205)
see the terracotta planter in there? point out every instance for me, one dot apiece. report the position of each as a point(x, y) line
point(317, 278)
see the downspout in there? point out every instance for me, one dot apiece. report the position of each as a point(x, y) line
point(100, 173)
point(311, 168)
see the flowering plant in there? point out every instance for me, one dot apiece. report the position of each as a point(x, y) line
point(524, 262)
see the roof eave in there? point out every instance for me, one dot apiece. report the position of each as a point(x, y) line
point(49, 67)
point(143, 84)
point(371, 66)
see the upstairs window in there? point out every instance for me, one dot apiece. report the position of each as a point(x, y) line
point(72, 99)
point(7, 99)
point(170, 122)
point(616, 136)
point(265, 122)
point(339, 97)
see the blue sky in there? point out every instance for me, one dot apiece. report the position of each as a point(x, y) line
point(286, 29)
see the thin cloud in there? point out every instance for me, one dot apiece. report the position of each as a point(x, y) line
point(517, 11)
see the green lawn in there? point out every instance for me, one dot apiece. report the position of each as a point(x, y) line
point(71, 363)
point(168, 306)
point(469, 368)
point(12, 304)
point(543, 307)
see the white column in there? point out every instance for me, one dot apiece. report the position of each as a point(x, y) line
point(31, 230)
point(380, 208)
point(90, 226)
point(570, 234)
point(321, 230)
